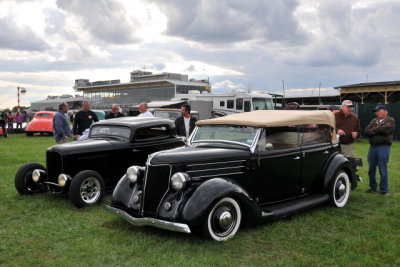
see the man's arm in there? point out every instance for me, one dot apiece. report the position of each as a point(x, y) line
point(75, 125)
point(95, 118)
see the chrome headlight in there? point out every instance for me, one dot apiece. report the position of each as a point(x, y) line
point(62, 180)
point(179, 180)
point(36, 176)
point(133, 173)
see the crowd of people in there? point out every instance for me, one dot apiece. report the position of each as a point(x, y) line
point(9, 120)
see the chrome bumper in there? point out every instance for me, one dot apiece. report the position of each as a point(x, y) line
point(145, 221)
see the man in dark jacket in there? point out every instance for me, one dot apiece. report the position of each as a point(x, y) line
point(114, 113)
point(380, 134)
point(185, 124)
point(83, 119)
point(347, 127)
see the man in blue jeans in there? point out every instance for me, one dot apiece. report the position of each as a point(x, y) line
point(380, 134)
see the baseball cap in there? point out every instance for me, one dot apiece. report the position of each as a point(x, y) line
point(379, 107)
point(347, 103)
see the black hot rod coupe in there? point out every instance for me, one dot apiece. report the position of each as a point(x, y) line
point(85, 169)
point(242, 168)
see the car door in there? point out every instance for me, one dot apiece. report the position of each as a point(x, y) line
point(279, 165)
point(315, 150)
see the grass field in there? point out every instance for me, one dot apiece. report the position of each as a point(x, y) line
point(48, 230)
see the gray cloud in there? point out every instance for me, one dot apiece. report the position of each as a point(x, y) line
point(19, 38)
point(104, 19)
point(233, 21)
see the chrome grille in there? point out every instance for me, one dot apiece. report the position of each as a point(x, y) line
point(216, 169)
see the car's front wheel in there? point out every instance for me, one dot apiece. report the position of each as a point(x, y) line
point(23, 179)
point(339, 190)
point(87, 188)
point(223, 220)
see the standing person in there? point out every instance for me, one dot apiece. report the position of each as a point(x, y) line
point(143, 110)
point(380, 135)
point(114, 113)
point(61, 128)
point(18, 119)
point(83, 119)
point(72, 116)
point(347, 127)
point(24, 116)
point(185, 124)
point(10, 123)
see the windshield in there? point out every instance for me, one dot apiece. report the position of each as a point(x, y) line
point(111, 131)
point(262, 104)
point(240, 134)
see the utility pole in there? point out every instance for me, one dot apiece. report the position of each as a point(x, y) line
point(283, 88)
point(319, 94)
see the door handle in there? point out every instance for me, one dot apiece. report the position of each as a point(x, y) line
point(135, 150)
point(297, 157)
point(326, 152)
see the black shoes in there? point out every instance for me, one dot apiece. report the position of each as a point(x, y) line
point(370, 191)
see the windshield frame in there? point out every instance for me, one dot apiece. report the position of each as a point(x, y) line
point(252, 146)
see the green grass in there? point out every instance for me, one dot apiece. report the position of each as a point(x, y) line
point(48, 230)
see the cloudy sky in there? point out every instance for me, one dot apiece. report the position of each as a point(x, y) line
point(46, 44)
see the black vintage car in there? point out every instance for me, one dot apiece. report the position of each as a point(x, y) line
point(240, 169)
point(86, 169)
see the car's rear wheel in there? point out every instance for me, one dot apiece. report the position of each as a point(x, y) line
point(339, 190)
point(23, 179)
point(223, 220)
point(87, 188)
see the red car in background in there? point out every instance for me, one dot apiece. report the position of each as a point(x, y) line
point(42, 123)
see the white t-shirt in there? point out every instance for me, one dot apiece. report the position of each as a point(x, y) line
point(146, 114)
point(187, 125)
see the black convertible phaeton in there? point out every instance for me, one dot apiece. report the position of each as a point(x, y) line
point(242, 168)
point(85, 169)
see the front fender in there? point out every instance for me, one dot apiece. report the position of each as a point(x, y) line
point(196, 209)
point(338, 161)
point(124, 193)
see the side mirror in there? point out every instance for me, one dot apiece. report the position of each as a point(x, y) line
point(269, 146)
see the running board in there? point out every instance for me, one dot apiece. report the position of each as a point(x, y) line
point(287, 208)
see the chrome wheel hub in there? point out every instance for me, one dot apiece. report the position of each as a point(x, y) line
point(225, 220)
point(340, 191)
point(90, 190)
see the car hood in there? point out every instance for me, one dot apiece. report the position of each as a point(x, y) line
point(89, 145)
point(197, 154)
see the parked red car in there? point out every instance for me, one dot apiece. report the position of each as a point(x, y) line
point(42, 123)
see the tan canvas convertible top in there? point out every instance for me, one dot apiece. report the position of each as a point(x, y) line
point(275, 118)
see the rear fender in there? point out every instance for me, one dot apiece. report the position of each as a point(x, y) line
point(196, 209)
point(335, 163)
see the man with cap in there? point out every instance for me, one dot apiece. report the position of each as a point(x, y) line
point(347, 127)
point(380, 135)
